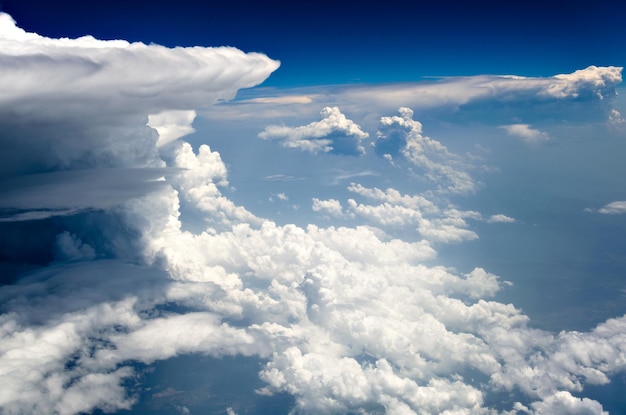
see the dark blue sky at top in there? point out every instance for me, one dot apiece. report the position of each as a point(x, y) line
point(334, 42)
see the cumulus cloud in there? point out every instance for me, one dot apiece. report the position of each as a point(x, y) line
point(563, 403)
point(395, 212)
point(525, 133)
point(345, 319)
point(401, 135)
point(330, 206)
point(334, 133)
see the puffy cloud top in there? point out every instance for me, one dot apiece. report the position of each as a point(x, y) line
point(594, 80)
point(334, 133)
point(402, 135)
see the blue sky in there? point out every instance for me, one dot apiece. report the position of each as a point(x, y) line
point(353, 208)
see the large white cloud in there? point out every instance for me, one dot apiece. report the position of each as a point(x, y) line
point(334, 133)
point(77, 89)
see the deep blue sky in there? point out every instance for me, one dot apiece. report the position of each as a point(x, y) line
point(344, 42)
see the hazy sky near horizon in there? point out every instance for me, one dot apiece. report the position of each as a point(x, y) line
point(251, 208)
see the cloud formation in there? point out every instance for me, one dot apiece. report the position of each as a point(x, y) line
point(104, 84)
point(525, 133)
point(401, 135)
point(345, 319)
point(584, 95)
point(334, 134)
point(590, 83)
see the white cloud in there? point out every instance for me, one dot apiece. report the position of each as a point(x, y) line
point(334, 133)
point(613, 208)
point(563, 403)
point(330, 206)
point(114, 76)
point(525, 133)
point(492, 99)
point(403, 135)
point(500, 218)
point(171, 125)
point(599, 81)
point(87, 86)
point(395, 212)
point(594, 82)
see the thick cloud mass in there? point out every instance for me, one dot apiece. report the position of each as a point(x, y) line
point(348, 319)
point(104, 84)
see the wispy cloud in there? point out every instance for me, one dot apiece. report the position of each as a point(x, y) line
point(613, 208)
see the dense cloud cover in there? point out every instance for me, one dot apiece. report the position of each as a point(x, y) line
point(105, 272)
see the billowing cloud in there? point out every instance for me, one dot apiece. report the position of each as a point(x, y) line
point(334, 133)
point(395, 212)
point(401, 135)
point(525, 133)
point(330, 206)
point(346, 319)
point(104, 84)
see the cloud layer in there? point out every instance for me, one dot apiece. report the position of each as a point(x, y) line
point(124, 249)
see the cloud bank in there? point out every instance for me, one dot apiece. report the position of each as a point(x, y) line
point(108, 271)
